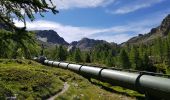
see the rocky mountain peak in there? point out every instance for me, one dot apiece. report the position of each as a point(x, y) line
point(165, 26)
point(86, 44)
point(50, 36)
point(160, 31)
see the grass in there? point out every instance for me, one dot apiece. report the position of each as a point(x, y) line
point(82, 89)
point(27, 79)
point(168, 70)
point(31, 80)
point(118, 89)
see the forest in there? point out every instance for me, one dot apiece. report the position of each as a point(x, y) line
point(153, 56)
point(19, 43)
point(22, 78)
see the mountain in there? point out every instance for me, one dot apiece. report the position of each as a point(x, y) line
point(160, 31)
point(50, 37)
point(87, 44)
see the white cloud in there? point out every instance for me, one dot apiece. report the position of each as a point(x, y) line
point(67, 4)
point(116, 34)
point(134, 6)
point(117, 38)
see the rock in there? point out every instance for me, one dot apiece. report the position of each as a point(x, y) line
point(160, 31)
point(87, 44)
point(50, 36)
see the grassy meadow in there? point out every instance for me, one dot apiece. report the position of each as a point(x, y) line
point(31, 80)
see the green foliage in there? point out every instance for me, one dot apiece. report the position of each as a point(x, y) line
point(124, 59)
point(104, 54)
point(135, 58)
point(119, 89)
point(153, 57)
point(15, 45)
point(21, 41)
point(27, 79)
point(159, 48)
point(61, 53)
point(14, 9)
point(109, 61)
point(33, 81)
point(77, 56)
point(87, 58)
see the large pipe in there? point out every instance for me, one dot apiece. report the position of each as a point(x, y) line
point(154, 87)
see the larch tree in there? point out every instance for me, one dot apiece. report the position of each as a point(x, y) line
point(87, 58)
point(124, 60)
point(62, 53)
point(134, 57)
point(21, 9)
point(77, 56)
point(11, 10)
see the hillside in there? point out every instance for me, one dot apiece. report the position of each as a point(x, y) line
point(160, 31)
point(87, 44)
point(50, 37)
point(31, 80)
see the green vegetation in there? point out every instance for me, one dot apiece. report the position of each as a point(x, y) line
point(82, 90)
point(124, 60)
point(118, 89)
point(31, 80)
point(14, 9)
point(27, 79)
point(154, 56)
point(18, 45)
point(21, 41)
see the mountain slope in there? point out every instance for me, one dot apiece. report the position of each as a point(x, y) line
point(160, 31)
point(30, 80)
point(86, 44)
point(51, 37)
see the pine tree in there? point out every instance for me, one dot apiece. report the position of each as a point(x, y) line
point(146, 62)
point(77, 56)
point(148, 65)
point(87, 58)
point(135, 59)
point(167, 52)
point(109, 59)
point(96, 55)
point(62, 53)
point(141, 50)
point(124, 60)
point(168, 49)
point(159, 48)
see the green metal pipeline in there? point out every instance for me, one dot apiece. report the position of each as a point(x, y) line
point(154, 87)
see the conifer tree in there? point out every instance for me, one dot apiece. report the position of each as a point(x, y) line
point(87, 58)
point(167, 52)
point(11, 10)
point(77, 56)
point(124, 60)
point(168, 49)
point(134, 57)
point(22, 9)
point(109, 59)
point(159, 48)
point(62, 53)
point(146, 62)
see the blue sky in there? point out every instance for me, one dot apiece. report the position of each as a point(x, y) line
point(110, 20)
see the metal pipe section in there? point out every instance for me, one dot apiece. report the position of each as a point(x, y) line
point(152, 86)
